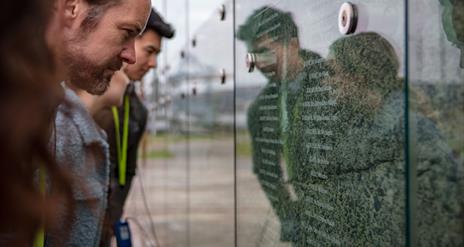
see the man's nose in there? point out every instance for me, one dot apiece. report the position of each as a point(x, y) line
point(152, 62)
point(128, 53)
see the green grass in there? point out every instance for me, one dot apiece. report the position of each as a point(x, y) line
point(244, 149)
point(175, 138)
point(160, 154)
point(243, 144)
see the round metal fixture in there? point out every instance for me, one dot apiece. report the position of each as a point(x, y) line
point(223, 76)
point(194, 42)
point(222, 12)
point(251, 62)
point(347, 18)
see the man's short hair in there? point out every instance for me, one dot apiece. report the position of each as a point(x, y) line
point(263, 21)
point(158, 25)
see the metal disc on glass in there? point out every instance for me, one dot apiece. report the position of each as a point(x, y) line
point(222, 12)
point(194, 42)
point(251, 62)
point(223, 76)
point(347, 18)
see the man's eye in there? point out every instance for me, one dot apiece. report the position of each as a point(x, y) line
point(125, 36)
point(150, 51)
point(128, 34)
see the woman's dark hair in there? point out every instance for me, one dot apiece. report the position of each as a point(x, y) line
point(29, 94)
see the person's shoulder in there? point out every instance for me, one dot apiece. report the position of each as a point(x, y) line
point(64, 123)
point(67, 130)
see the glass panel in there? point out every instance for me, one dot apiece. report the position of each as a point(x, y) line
point(436, 98)
point(174, 68)
point(159, 209)
point(320, 124)
point(211, 119)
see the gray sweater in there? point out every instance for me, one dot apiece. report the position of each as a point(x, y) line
point(82, 149)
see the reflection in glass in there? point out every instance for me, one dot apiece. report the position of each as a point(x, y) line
point(328, 141)
point(347, 146)
point(453, 23)
point(273, 36)
point(438, 155)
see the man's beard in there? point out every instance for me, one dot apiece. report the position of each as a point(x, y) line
point(87, 75)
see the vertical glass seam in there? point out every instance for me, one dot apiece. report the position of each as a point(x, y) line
point(409, 163)
point(187, 105)
point(234, 68)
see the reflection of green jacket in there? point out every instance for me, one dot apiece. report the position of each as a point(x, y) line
point(269, 118)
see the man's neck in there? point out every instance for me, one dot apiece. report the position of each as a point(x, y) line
point(91, 102)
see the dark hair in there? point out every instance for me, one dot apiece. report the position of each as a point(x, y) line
point(158, 25)
point(29, 93)
point(274, 23)
point(370, 56)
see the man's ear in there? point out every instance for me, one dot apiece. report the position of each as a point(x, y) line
point(72, 9)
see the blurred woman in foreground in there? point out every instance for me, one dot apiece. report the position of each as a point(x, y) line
point(29, 94)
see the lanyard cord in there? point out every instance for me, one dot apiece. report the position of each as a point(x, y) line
point(39, 240)
point(122, 148)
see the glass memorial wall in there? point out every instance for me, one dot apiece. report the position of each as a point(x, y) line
point(327, 125)
point(315, 122)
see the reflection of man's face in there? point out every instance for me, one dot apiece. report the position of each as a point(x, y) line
point(147, 48)
point(267, 56)
point(93, 53)
point(453, 23)
point(276, 58)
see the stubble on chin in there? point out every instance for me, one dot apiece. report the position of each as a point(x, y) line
point(86, 76)
point(90, 82)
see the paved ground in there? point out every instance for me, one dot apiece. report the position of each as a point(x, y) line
point(206, 217)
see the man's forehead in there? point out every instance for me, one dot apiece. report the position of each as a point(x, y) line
point(135, 13)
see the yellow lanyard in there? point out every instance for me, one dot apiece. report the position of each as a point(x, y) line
point(122, 149)
point(39, 240)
